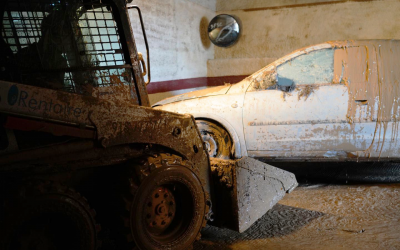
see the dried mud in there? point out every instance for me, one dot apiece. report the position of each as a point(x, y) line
point(320, 217)
point(370, 70)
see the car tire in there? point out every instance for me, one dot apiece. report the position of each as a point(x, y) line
point(217, 140)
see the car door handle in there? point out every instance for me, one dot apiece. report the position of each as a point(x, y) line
point(362, 102)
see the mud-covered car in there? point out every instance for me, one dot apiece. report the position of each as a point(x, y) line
point(337, 100)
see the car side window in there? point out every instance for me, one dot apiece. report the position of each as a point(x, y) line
point(312, 68)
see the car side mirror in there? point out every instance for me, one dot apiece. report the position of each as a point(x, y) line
point(285, 84)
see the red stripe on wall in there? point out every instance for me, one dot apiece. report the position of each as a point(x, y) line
point(166, 86)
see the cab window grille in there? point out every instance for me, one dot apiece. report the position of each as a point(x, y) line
point(73, 46)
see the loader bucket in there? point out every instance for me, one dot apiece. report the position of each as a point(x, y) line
point(246, 189)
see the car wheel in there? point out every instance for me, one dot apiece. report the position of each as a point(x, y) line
point(49, 216)
point(217, 140)
point(168, 207)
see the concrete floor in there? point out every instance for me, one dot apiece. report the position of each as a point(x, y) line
point(320, 216)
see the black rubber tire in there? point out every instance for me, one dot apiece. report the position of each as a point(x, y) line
point(189, 196)
point(217, 139)
point(49, 216)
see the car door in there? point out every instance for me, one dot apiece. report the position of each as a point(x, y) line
point(371, 70)
point(357, 67)
point(301, 112)
point(388, 60)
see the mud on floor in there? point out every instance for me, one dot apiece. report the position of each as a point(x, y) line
point(320, 217)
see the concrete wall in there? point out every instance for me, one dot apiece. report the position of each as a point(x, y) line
point(177, 36)
point(183, 59)
point(272, 29)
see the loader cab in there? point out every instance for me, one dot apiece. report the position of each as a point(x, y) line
point(60, 59)
point(74, 46)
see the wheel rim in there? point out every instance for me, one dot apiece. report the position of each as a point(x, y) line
point(160, 210)
point(216, 139)
point(211, 144)
point(172, 204)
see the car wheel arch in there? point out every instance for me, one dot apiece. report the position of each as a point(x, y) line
point(239, 148)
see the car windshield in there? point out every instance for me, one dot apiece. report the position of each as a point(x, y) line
point(72, 46)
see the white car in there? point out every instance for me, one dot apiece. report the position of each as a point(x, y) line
point(336, 101)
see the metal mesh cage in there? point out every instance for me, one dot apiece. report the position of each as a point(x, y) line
point(73, 46)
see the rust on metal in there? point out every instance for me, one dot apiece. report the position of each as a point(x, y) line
point(160, 209)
